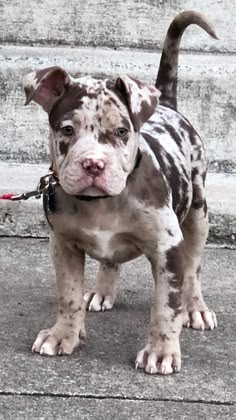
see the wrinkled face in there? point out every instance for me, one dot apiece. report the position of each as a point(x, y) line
point(92, 139)
point(94, 127)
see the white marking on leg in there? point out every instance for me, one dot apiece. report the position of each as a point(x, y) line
point(197, 321)
point(96, 303)
point(166, 365)
point(151, 364)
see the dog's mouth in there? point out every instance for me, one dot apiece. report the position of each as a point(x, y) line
point(92, 192)
point(87, 186)
point(94, 186)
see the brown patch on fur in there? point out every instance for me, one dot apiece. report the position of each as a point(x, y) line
point(198, 272)
point(199, 200)
point(205, 209)
point(133, 245)
point(41, 73)
point(175, 303)
point(110, 265)
point(71, 99)
point(175, 264)
point(117, 90)
point(146, 112)
point(198, 204)
point(110, 137)
point(107, 137)
point(51, 83)
point(116, 102)
point(178, 183)
point(63, 147)
point(125, 123)
point(174, 134)
point(124, 92)
point(147, 183)
point(164, 337)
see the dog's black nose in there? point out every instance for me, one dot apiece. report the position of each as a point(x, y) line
point(93, 167)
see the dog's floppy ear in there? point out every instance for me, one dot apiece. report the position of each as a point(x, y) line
point(45, 86)
point(140, 98)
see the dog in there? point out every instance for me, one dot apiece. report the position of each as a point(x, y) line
point(130, 174)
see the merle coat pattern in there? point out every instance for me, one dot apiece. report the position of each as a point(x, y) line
point(131, 173)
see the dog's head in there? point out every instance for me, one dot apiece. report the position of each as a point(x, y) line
point(94, 127)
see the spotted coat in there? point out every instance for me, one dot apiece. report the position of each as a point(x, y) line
point(131, 177)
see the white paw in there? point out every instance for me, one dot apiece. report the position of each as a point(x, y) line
point(50, 343)
point(97, 302)
point(200, 320)
point(158, 361)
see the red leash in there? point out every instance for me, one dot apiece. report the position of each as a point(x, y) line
point(6, 196)
point(47, 181)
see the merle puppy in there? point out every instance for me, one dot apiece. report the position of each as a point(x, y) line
point(130, 172)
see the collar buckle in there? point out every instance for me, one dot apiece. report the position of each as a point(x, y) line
point(46, 182)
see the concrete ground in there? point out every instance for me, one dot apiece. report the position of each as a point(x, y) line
point(99, 381)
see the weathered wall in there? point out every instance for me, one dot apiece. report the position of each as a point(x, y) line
point(112, 23)
point(207, 88)
point(207, 92)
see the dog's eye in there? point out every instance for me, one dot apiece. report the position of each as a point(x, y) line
point(121, 132)
point(68, 130)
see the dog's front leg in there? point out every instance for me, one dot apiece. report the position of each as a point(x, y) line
point(64, 336)
point(101, 297)
point(162, 352)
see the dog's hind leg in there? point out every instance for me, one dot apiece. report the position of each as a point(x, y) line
point(101, 297)
point(195, 230)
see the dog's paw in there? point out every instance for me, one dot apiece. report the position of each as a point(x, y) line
point(162, 359)
point(97, 302)
point(51, 342)
point(200, 320)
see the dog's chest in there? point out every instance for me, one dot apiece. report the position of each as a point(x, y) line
point(105, 237)
point(109, 245)
point(97, 242)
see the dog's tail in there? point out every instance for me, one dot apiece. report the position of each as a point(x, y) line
point(167, 77)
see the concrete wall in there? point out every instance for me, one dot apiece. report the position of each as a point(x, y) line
point(111, 23)
point(36, 34)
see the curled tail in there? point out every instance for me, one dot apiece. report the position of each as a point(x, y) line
point(167, 77)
